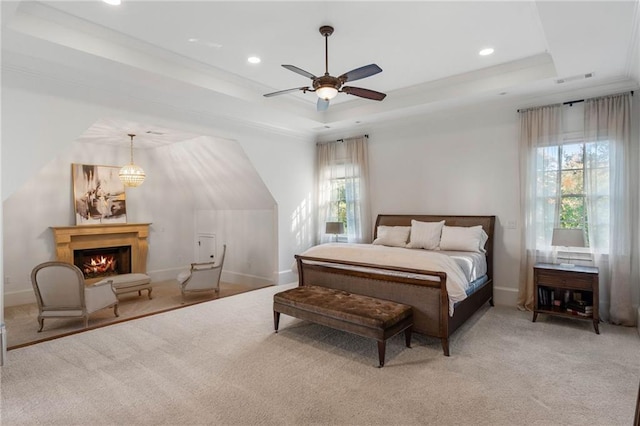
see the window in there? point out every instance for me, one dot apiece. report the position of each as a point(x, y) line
point(579, 168)
point(565, 174)
point(342, 174)
point(338, 202)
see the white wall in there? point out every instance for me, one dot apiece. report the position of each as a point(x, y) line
point(287, 168)
point(250, 238)
point(462, 161)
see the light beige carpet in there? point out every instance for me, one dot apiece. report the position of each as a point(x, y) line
point(220, 363)
point(22, 321)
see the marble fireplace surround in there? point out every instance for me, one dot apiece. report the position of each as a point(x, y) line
point(70, 238)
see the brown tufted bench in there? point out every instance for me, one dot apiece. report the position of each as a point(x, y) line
point(354, 313)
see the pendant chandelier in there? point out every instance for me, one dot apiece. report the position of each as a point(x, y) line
point(132, 175)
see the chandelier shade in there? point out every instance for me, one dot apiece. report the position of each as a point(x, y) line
point(132, 175)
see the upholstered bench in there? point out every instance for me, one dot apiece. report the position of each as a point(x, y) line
point(128, 283)
point(353, 313)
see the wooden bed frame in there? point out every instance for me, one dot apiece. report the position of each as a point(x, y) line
point(428, 298)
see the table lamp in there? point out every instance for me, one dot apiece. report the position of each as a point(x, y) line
point(565, 237)
point(334, 228)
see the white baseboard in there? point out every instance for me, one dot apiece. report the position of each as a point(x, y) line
point(20, 297)
point(24, 297)
point(505, 296)
point(240, 278)
point(227, 276)
point(287, 277)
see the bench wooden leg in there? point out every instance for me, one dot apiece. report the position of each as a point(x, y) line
point(382, 347)
point(149, 292)
point(407, 337)
point(276, 320)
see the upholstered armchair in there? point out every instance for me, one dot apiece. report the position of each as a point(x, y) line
point(202, 277)
point(61, 293)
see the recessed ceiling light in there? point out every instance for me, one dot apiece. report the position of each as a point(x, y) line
point(112, 2)
point(253, 60)
point(192, 40)
point(485, 52)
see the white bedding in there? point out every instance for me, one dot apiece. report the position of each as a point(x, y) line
point(473, 264)
point(457, 281)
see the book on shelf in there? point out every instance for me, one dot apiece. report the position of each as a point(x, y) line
point(579, 313)
point(580, 302)
point(578, 307)
point(544, 296)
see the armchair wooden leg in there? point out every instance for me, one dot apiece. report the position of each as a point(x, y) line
point(86, 321)
point(276, 320)
point(115, 310)
point(41, 321)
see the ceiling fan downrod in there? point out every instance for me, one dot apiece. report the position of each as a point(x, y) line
point(326, 31)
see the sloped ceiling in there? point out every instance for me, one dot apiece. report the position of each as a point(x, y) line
point(213, 173)
point(193, 55)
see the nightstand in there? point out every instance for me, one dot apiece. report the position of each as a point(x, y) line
point(566, 291)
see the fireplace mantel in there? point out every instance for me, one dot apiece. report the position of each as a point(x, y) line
point(70, 238)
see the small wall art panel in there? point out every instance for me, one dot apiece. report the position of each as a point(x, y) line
point(98, 195)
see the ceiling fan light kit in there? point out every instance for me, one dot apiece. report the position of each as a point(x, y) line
point(326, 86)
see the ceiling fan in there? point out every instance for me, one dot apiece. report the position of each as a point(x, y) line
point(327, 87)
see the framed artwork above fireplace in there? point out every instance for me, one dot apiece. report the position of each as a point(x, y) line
point(98, 195)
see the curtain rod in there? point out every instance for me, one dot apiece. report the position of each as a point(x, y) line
point(570, 103)
point(341, 140)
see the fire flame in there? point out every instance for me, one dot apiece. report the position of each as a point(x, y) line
point(100, 265)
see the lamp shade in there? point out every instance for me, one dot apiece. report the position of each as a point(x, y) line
point(567, 237)
point(334, 228)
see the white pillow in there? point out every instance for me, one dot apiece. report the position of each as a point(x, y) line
point(425, 235)
point(394, 236)
point(460, 238)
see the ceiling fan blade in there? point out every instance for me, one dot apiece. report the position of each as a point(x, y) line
point(282, 92)
point(300, 71)
point(364, 93)
point(322, 104)
point(362, 72)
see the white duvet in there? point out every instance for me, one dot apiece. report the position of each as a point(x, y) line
point(457, 282)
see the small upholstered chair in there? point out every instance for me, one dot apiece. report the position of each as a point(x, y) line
point(61, 293)
point(202, 277)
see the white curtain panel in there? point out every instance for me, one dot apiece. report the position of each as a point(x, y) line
point(347, 162)
point(539, 204)
point(610, 202)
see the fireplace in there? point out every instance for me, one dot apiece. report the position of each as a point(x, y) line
point(103, 262)
point(125, 243)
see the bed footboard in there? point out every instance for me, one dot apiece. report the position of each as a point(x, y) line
point(428, 297)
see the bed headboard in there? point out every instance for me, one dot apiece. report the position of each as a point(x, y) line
point(488, 224)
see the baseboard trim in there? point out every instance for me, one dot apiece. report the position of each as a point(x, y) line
point(287, 277)
point(240, 278)
point(20, 297)
point(25, 297)
point(505, 296)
